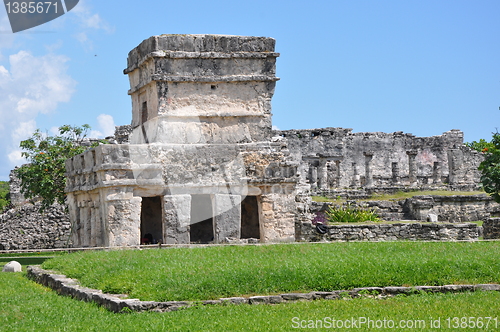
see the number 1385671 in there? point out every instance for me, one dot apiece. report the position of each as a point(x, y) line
point(31, 7)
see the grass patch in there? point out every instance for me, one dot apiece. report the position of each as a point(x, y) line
point(25, 259)
point(400, 195)
point(223, 271)
point(32, 307)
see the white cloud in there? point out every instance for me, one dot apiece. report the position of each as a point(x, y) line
point(15, 157)
point(88, 21)
point(23, 130)
point(275, 127)
point(82, 37)
point(31, 86)
point(106, 126)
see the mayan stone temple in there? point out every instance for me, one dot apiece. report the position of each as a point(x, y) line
point(200, 164)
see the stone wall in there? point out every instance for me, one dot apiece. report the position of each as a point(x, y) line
point(339, 158)
point(491, 228)
point(391, 232)
point(23, 227)
point(454, 208)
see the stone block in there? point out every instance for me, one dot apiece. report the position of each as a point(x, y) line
point(429, 289)
point(399, 290)
point(431, 217)
point(234, 300)
point(321, 295)
point(458, 288)
point(271, 299)
point(297, 296)
point(487, 287)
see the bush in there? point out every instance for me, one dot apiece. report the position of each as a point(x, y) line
point(349, 214)
point(44, 176)
point(490, 168)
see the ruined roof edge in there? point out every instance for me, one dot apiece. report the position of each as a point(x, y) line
point(199, 43)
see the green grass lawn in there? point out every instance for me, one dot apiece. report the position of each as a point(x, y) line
point(211, 272)
point(26, 306)
point(25, 259)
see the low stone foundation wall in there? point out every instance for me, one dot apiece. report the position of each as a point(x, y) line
point(391, 232)
point(491, 228)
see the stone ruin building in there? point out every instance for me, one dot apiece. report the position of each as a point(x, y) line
point(200, 164)
point(335, 159)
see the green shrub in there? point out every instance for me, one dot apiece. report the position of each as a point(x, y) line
point(349, 214)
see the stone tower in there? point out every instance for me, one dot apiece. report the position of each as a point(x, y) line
point(201, 165)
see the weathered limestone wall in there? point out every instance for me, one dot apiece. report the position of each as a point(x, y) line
point(392, 232)
point(102, 183)
point(23, 227)
point(339, 158)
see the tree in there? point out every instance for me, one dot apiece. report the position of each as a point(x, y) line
point(44, 176)
point(481, 145)
point(4, 195)
point(490, 167)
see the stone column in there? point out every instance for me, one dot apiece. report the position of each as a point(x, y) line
point(94, 232)
point(74, 217)
point(337, 176)
point(123, 222)
point(313, 176)
point(368, 171)
point(176, 218)
point(412, 167)
point(355, 176)
point(323, 173)
point(395, 173)
point(85, 220)
point(436, 173)
point(455, 161)
point(227, 217)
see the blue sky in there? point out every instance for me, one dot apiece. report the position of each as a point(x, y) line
point(422, 67)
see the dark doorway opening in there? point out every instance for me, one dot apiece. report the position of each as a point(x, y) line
point(151, 220)
point(144, 112)
point(250, 227)
point(201, 229)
